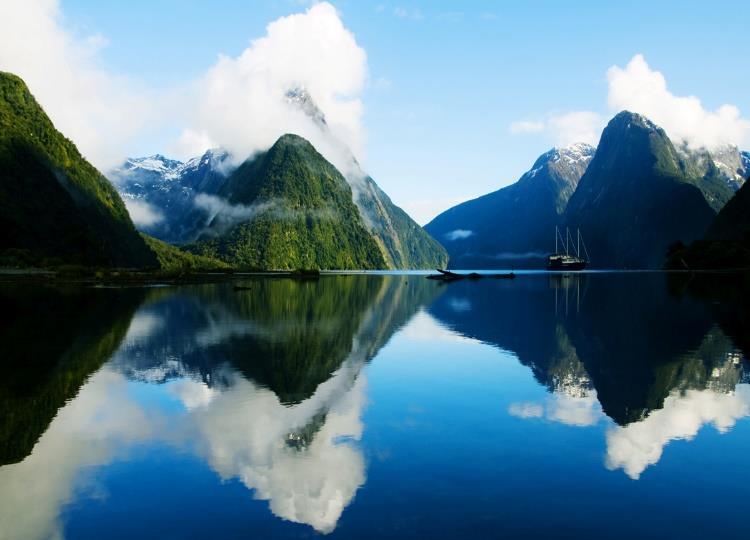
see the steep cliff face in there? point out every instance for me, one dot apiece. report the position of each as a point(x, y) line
point(636, 198)
point(54, 205)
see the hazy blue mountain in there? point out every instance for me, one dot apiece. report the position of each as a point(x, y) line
point(638, 197)
point(54, 205)
point(514, 225)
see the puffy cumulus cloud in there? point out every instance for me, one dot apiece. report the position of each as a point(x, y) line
point(241, 103)
point(636, 446)
point(98, 110)
point(638, 88)
point(142, 213)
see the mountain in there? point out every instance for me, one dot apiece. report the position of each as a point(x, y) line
point(514, 225)
point(733, 221)
point(175, 201)
point(289, 208)
point(162, 194)
point(54, 205)
point(403, 243)
point(637, 197)
point(718, 172)
point(727, 242)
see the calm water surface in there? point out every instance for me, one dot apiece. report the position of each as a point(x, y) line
point(599, 405)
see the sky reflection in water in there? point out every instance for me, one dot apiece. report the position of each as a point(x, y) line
point(365, 406)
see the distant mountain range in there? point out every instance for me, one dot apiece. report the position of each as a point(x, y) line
point(632, 197)
point(515, 225)
point(198, 201)
point(160, 193)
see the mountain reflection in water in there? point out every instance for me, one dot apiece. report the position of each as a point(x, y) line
point(638, 348)
point(268, 386)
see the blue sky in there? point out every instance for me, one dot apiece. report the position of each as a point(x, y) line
point(446, 80)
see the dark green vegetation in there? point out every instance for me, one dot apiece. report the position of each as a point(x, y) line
point(514, 225)
point(727, 243)
point(51, 340)
point(636, 199)
point(54, 206)
point(172, 259)
point(287, 335)
point(292, 209)
point(403, 242)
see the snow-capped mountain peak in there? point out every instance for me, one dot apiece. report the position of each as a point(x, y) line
point(573, 153)
point(299, 97)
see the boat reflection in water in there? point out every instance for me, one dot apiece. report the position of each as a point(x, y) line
point(644, 350)
point(368, 405)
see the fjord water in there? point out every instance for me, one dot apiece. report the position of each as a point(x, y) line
point(372, 406)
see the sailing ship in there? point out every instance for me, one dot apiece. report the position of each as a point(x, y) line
point(567, 260)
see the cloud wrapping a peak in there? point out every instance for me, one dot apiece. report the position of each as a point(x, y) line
point(638, 88)
point(241, 104)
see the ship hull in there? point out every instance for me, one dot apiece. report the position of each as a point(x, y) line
point(558, 266)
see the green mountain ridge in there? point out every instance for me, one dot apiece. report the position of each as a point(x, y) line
point(404, 244)
point(54, 205)
point(298, 212)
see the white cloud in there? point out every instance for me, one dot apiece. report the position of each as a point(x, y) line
point(564, 129)
point(240, 103)
point(458, 234)
point(142, 213)
point(638, 88)
point(99, 110)
point(636, 446)
point(576, 126)
point(527, 126)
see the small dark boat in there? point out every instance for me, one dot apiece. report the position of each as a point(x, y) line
point(568, 261)
point(447, 275)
